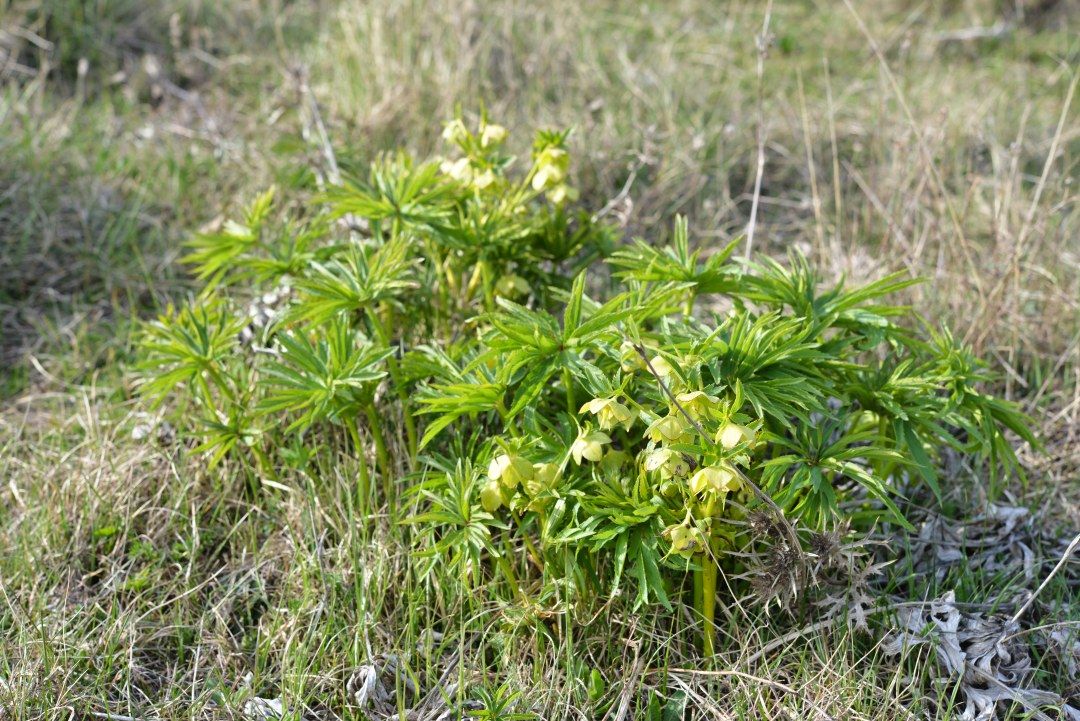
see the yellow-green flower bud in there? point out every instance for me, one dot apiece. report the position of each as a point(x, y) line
point(544, 478)
point(512, 286)
point(551, 167)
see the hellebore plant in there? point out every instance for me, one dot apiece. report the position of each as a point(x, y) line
point(568, 432)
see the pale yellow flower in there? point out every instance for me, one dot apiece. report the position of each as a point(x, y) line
point(484, 179)
point(661, 367)
point(686, 539)
point(668, 462)
point(669, 429)
point(512, 286)
point(697, 403)
point(510, 471)
point(491, 135)
point(455, 132)
point(562, 193)
point(610, 413)
point(551, 167)
point(732, 434)
point(460, 169)
point(718, 479)
point(491, 496)
point(544, 478)
point(590, 446)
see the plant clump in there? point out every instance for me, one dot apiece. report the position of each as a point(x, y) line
point(575, 433)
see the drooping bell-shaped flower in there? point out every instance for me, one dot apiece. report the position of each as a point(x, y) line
point(610, 413)
point(509, 470)
point(589, 446)
point(732, 434)
point(492, 135)
point(668, 462)
point(669, 429)
point(698, 403)
point(491, 496)
point(718, 479)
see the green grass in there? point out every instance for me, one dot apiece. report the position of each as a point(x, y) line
point(138, 582)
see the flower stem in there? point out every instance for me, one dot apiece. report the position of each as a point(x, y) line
point(365, 478)
point(381, 455)
point(708, 601)
point(399, 386)
point(568, 381)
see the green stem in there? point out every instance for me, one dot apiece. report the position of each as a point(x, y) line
point(382, 456)
point(399, 388)
point(885, 467)
point(699, 605)
point(262, 462)
point(365, 478)
point(688, 306)
point(507, 569)
point(568, 381)
point(489, 285)
point(708, 601)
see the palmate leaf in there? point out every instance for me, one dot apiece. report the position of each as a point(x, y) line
point(803, 478)
point(531, 347)
point(397, 190)
point(353, 281)
point(187, 347)
point(329, 378)
point(556, 235)
point(626, 521)
point(797, 289)
point(450, 401)
point(290, 252)
point(457, 524)
point(486, 231)
point(841, 316)
point(676, 263)
point(216, 253)
point(450, 391)
point(908, 399)
point(984, 419)
point(222, 432)
point(776, 362)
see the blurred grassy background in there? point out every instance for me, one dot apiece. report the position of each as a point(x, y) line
point(913, 136)
point(937, 137)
